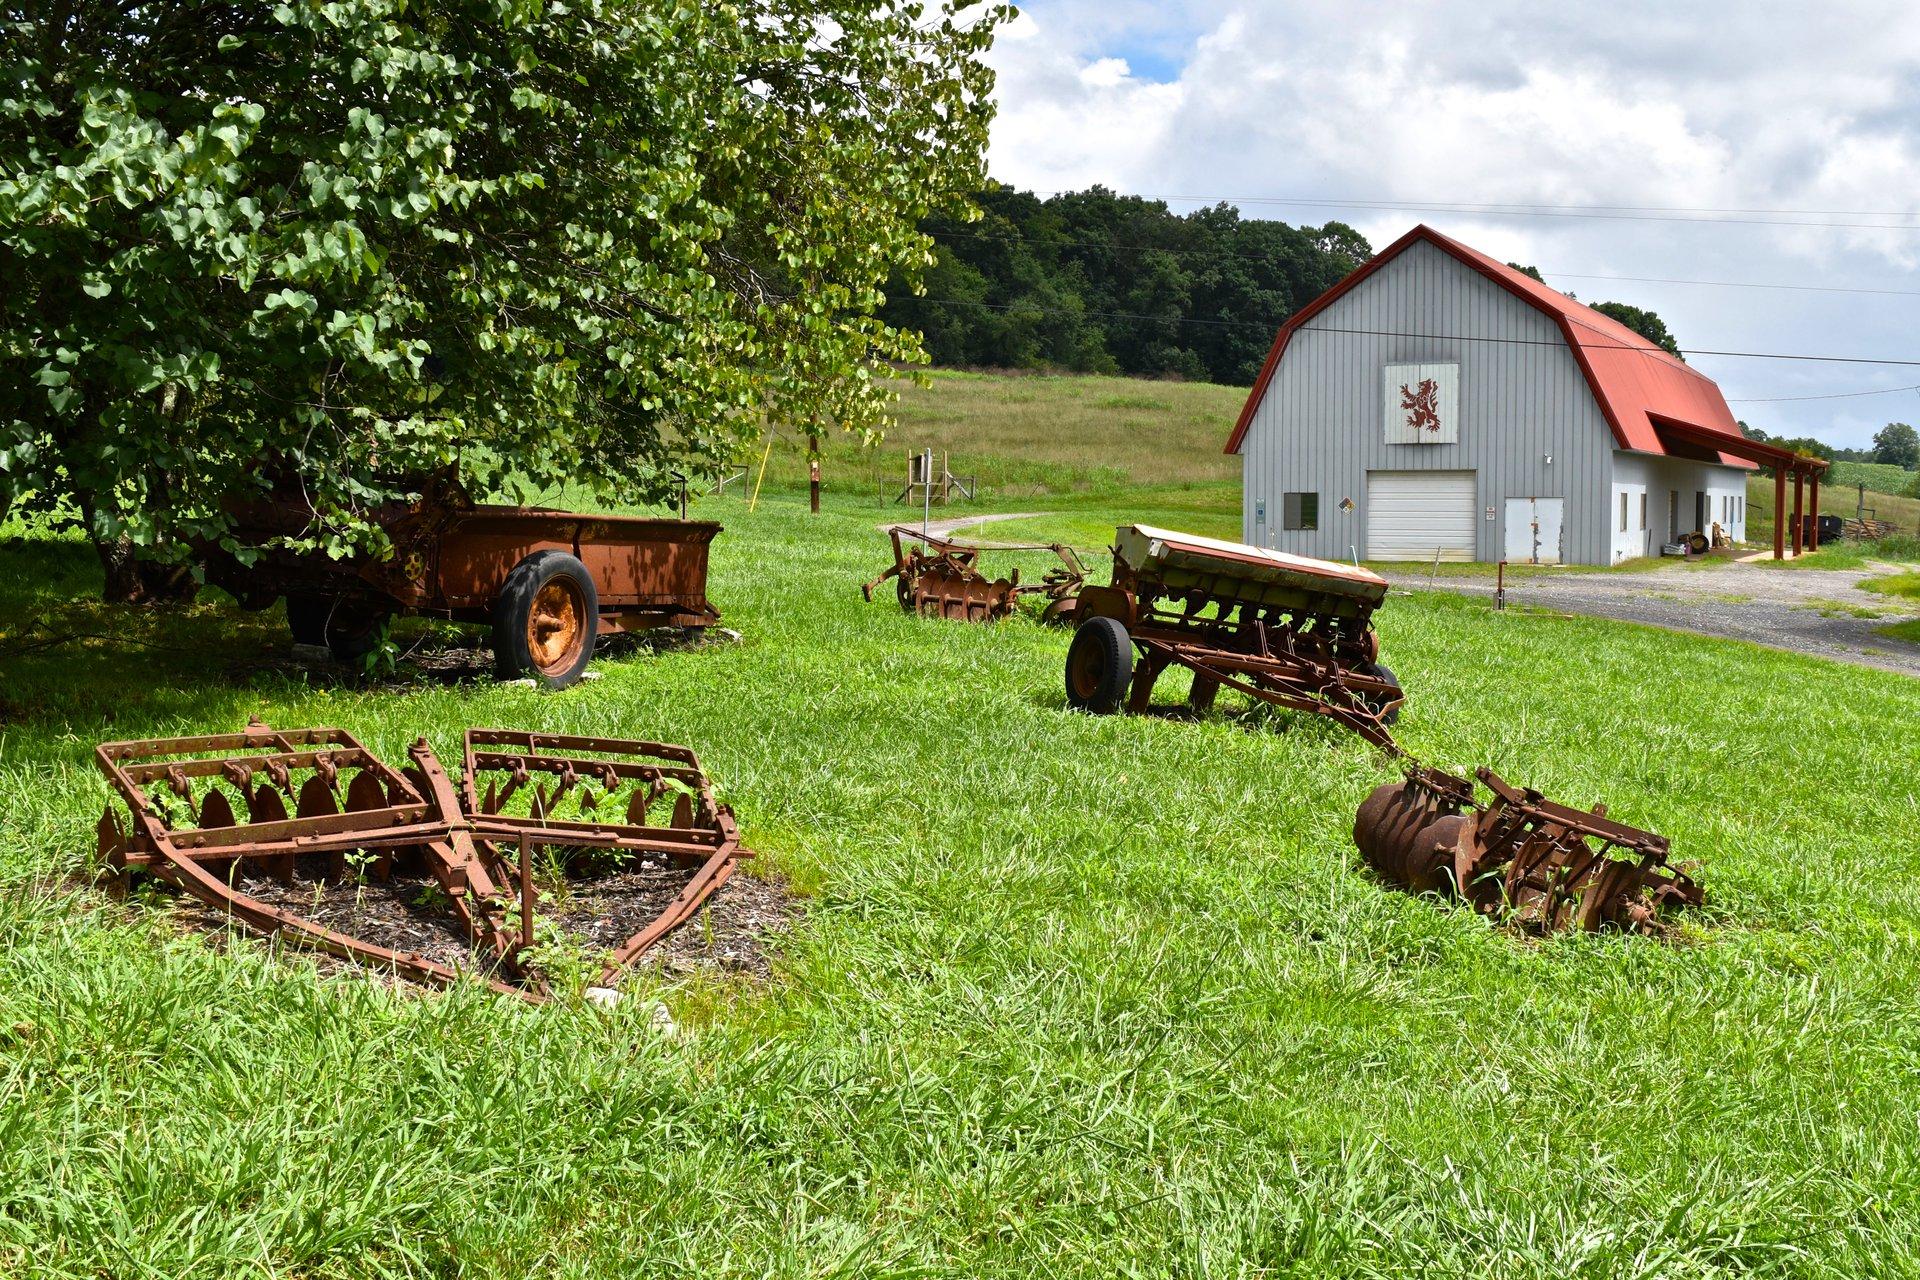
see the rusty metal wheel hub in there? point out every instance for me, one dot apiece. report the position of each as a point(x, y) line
point(556, 626)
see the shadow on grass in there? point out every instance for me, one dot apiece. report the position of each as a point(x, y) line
point(71, 662)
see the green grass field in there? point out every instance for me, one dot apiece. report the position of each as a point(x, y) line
point(1071, 996)
point(1027, 435)
point(1835, 499)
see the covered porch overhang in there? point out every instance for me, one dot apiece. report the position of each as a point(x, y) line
point(1686, 440)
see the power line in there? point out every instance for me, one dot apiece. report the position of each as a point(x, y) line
point(1842, 395)
point(1621, 346)
point(1737, 284)
point(1217, 253)
point(1519, 204)
point(1604, 213)
point(1432, 337)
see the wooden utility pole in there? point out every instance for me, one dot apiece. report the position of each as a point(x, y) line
point(1813, 531)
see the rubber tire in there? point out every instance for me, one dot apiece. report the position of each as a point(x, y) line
point(1381, 671)
point(1104, 643)
point(348, 634)
point(512, 658)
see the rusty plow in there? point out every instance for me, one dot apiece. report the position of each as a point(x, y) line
point(939, 578)
point(233, 819)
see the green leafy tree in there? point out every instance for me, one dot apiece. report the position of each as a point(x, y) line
point(367, 241)
point(1647, 324)
point(1897, 445)
point(1806, 446)
point(1097, 281)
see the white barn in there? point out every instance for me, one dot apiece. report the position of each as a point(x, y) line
point(1439, 402)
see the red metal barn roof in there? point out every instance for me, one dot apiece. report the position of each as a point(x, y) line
point(1635, 383)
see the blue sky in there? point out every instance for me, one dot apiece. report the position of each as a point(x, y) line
point(1710, 106)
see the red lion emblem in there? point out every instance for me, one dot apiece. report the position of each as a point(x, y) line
point(1422, 405)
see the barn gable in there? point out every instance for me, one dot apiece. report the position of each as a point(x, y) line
point(1515, 416)
point(1639, 388)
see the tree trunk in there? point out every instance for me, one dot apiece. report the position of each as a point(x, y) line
point(128, 579)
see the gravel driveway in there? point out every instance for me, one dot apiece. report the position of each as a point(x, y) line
point(1802, 610)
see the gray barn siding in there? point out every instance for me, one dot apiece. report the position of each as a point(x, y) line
point(1320, 425)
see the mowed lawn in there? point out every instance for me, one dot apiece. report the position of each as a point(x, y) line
point(1071, 996)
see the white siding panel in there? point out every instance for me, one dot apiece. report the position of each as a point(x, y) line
point(1416, 515)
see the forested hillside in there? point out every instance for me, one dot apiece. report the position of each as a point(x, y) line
point(1105, 283)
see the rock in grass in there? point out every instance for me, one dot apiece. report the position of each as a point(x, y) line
point(661, 1017)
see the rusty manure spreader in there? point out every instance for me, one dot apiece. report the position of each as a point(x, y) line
point(232, 819)
point(940, 578)
point(1298, 633)
point(547, 583)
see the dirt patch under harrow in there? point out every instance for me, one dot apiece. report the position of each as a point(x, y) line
point(732, 935)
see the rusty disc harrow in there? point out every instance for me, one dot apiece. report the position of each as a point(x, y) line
point(1518, 855)
point(206, 813)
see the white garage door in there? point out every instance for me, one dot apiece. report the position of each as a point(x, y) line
point(1412, 514)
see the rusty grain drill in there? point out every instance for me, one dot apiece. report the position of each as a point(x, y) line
point(1298, 633)
point(318, 800)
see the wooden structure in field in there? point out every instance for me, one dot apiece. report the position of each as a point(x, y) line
point(929, 481)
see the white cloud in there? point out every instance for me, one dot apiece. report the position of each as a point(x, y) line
point(1105, 73)
point(1723, 105)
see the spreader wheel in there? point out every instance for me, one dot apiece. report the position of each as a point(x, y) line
point(349, 632)
point(1099, 666)
point(545, 620)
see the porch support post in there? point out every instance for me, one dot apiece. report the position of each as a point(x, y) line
point(1813, 537)
point(1779, 512)
point(1799, 498)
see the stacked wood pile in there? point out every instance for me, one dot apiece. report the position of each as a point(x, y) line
point(1858, 529)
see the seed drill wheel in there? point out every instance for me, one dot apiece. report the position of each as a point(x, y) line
point(1099, 666)
point(1380, 671)
point(545, 620)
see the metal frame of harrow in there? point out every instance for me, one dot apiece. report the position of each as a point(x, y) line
point(392, 813)
point(945, 581)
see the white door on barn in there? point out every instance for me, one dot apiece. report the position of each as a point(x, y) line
point(1414, 515)
point(1533, 530)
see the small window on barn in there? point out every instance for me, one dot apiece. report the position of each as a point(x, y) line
point(1300, 511)
point(1623, 511)
point(1643, 512)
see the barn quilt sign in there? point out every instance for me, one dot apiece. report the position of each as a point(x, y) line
point(1423, 403)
